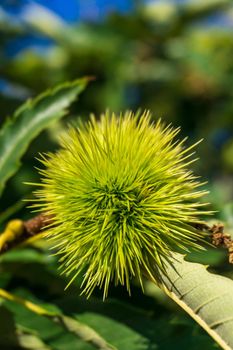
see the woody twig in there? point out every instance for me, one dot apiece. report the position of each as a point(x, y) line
point(218, 237)
point(18, 231)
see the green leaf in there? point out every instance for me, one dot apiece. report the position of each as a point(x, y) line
point(49, 332)
point(120, 335)
point(69, 324)
point(28, 340)
point(12, 336)
point(133, 328)
point(83, 331)
point(25, 256)
point(7, 327)
point(29, 120)
point(206, 297)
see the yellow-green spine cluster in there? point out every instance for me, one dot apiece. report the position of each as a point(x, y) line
point(122, 198)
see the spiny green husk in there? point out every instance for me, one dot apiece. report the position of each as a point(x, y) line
point(122, 198)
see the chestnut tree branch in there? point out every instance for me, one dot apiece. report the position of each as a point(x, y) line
point(18, 231)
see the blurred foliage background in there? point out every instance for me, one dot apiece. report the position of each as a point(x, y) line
point(174, 58)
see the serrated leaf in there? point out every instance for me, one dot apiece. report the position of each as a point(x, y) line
point(29, 120)
point(206, 297)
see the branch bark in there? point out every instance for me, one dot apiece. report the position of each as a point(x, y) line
point(18, 231)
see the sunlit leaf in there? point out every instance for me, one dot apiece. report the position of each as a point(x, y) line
point(29, 120)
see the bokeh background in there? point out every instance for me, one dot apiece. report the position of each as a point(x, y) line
point(172, 57)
